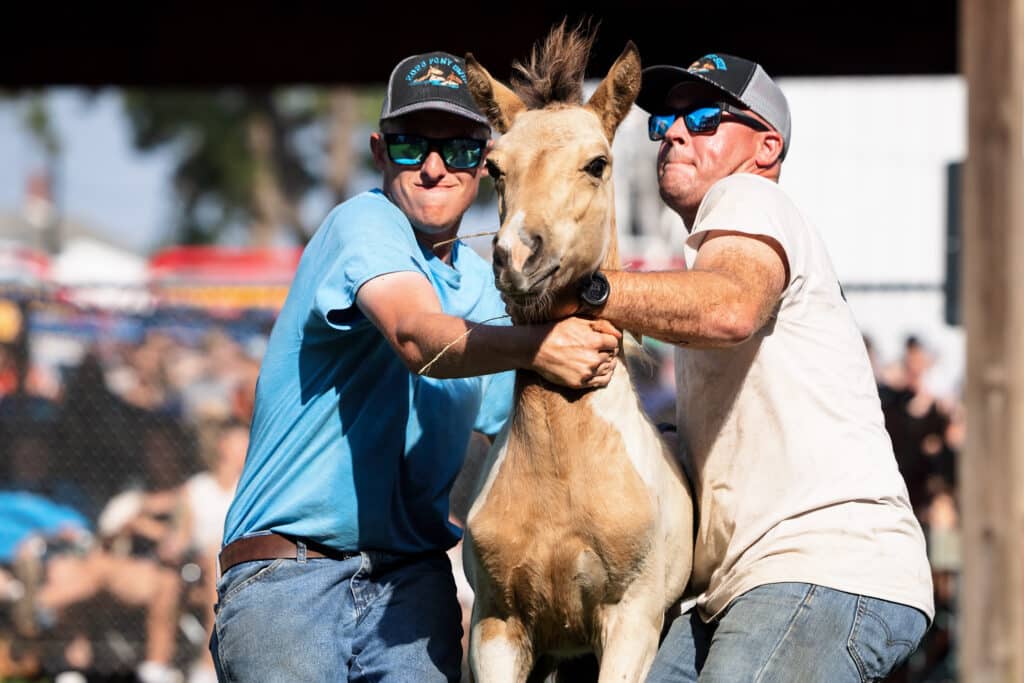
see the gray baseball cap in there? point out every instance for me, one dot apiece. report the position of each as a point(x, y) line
point(434, 80)
point(740, 79)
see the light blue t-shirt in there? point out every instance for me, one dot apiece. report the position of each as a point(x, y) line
point(348, 448)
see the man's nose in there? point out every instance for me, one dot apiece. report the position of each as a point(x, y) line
point(433, 166)
point(678, 132)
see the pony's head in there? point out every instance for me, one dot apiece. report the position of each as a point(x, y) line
point(552, 167)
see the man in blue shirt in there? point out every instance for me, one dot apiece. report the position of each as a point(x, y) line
point(334, 564)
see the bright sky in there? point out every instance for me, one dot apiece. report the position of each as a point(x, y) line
point(106, 184)
point(102, 181)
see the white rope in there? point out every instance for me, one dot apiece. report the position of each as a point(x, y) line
point(455, 341)
point(464, 237)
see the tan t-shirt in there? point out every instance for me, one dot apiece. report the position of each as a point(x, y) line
point(795, 474)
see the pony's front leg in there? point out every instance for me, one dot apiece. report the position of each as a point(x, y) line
point(499, 650)
point(629, 641)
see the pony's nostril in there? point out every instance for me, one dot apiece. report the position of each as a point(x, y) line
point(499, 257)
point(536, 244)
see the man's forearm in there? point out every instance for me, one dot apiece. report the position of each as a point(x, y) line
point(692, 308)
point(485, 349)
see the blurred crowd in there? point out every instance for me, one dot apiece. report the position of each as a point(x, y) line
point(928, 433)
point(114, 483)
point(113, 492)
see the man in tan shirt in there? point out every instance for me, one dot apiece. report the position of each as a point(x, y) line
point(809, 563)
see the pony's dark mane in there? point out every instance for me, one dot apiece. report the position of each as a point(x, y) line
point(554, 71)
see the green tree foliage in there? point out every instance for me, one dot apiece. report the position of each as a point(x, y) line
point(239, 156)
point(36, 118)
point(248, 157)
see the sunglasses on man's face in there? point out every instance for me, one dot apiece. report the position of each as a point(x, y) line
point(412, 150)
point(700, 118)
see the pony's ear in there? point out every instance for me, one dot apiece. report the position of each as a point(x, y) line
point(616, 93)
point(497, 102)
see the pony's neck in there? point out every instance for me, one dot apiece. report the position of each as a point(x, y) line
point(611, 258)
point(551, 420)
point(545, 416)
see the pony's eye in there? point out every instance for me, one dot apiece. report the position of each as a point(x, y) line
point(596, 167)
point(492, 169)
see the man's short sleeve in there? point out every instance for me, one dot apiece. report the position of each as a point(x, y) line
point(362, 239)
point(748, 204)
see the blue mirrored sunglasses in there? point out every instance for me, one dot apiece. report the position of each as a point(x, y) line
point(412, 150)
point(702, 118)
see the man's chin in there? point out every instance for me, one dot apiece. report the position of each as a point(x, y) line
point(435, 226)
point(678, 201)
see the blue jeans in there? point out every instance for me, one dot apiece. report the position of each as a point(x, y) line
point(793, 632)
point(374, 617)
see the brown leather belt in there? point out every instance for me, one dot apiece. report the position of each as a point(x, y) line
point(273, 547)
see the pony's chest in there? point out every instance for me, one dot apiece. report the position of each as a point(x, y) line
point(562, 489)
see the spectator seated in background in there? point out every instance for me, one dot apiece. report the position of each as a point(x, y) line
point(97, 433)
point(30, 466)
point(36, 532)
point(141, 543)
point(35, 526)
point(146, 528)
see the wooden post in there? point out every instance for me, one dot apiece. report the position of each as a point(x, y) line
point(991, 600)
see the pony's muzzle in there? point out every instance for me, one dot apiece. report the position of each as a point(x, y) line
point(520, 268)
point(523, 287)
point(519, 254)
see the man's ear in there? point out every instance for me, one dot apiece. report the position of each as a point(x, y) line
point(380, 155)
point(769, 149)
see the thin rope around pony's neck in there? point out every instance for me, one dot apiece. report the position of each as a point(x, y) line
point(460, 237)
point(455, 341)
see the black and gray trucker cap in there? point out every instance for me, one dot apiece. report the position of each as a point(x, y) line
point(435, 80)
point(738, 78)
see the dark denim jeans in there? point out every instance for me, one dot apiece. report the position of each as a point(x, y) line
point(792, 632)
point(375, 617)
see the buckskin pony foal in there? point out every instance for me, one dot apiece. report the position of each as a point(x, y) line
point(580, 534)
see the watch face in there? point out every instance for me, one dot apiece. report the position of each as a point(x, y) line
point(596, 291)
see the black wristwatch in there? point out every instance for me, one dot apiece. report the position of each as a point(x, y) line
point(594, 291)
